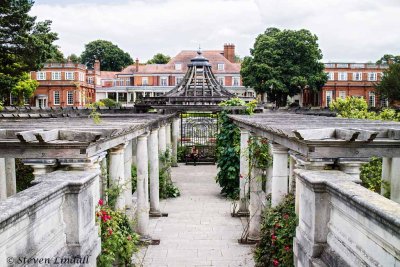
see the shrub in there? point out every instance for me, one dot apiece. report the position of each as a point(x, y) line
point(167, 188)
point(24, 175)
point(110, 103)
point(134, 178)
point(278, 229)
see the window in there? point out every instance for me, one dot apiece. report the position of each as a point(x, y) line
point(328, 97)
point(371, 99)
point(90, 80)
point(372, 76)
point(221, 80)
point(342, 94)
point(329, 65)
point(384, 102)
point(220, 66)
point(127, 81)
point(330, 76)
point(81, 77)
point(357, 66)
point(342, 76)
point(56, 75)
point(178, 66)
point(163, 81)
point(342, 65)
point(357, 76)
point(236, 81)
point(69, 75)
point(178, 80)
point(70, 97)
point(145, 81)
point(56, 97)
point(40, 75)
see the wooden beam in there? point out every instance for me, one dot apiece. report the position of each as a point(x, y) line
point(47, 136)
point(81, 136)
point(28, 136)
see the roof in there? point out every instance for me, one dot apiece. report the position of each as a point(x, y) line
point(108, 74)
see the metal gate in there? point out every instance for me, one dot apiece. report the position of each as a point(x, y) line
point(199, 130)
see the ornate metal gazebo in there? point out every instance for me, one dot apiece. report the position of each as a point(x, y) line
point(198, 90)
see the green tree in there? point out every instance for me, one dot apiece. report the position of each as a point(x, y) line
point(388, 59)
point(112, 58)
point(24, 43)
point(56, 56)
point(389, 86)
point(24, 88)
point(283, 63)
point(74, 58)
point(159, 58)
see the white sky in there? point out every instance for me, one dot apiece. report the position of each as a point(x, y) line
point(348, 30)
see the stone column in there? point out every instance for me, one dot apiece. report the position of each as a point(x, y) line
point(386, 168)
point(292, 163)
point(256, 204)
point(395, 180)
point(142, 212)
point(3, 179)
point(279, 174)
point(175, 134)
point(352, 168)
point(128, 178)
point(168, 136)
point(103, 176)
point(244, 172)
point(11, 177)
point(162, 139)
point(134, 149)
point(117, 172)
point(41, 166)
point(154, 174)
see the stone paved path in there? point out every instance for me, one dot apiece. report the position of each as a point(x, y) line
point(199, 230)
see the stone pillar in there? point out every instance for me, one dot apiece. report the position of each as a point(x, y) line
point(3, 179)
point(154, 174)
point(142, 212)
point(168, 136)
point(256, 204)
point(134, 149)
point(11, 177)
point(386, 168)
point(279, 174)
point(175, 134)
point(117, 172)
point(292, 163)
point(103, 176)
point(395, 180)
point(244, 172)
point(128, 178)
point(352, 168)
point(162, 139)
point(41, 166)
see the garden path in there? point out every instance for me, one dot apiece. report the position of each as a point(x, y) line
point(199, 230)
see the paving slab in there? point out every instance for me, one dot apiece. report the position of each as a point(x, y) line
point(199, 230)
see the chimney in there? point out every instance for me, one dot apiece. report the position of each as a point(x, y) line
point(137, 64)
point(229, 52)
point(97, 65)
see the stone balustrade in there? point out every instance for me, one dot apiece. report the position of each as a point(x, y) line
point(342, 223)
point(51, 220)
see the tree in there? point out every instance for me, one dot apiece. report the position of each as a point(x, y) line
point(56, 56)
point(389, 86)
point(112, 58)
point(74, 58)
point(388, 59)
point(24, 43)
point(24, 88)
point(159, 59)
point(284, 63)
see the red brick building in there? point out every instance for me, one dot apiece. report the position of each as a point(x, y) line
point(65, 85)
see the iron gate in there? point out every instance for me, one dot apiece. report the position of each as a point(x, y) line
point(199, 130)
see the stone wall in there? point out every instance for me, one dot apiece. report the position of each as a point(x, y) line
point(343, 224)
point(51, 221)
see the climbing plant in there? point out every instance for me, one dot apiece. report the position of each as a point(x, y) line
point(167, 189)
point(278, 228)
point(24, 175)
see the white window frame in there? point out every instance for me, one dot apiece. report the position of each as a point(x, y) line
point(330, 75)
point(90, 80)
point(342, 94)
point(54, 98)
point(56, 75)
point(145, 81)
point(371, 99)
point(69, 75)
point(41, 75)
point(357, 76)
point(219, 79)
point(235, 81)
point(164, 81)
point(70, 94)
point(372, 76)
point(342, 76)
point(328, 97)
point(81, 76)
point(178, 80)
point(178, 66)
point(220, 66)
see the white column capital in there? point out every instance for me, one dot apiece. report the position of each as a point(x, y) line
point(279, 149)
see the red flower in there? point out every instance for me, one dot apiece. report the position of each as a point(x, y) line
point(101, 202)
point(110, 231)
point(277, 225)
point(264, 141)
point(287, 248)
point(286, 216)
point(275, 262)
point(273, 237)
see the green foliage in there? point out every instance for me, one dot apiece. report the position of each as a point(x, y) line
point(260, 156)
point(24, 43)
point(167, 188)
point(389, 86)
point(388, 59)
point(159, 58)
point(74, 58)
point(110, 103)
point(112, 192)
point(283, 63)
point(181, 152)
point(134, 178)
point(24, 175)
point(56, 56)
point(278, 228)
point(118, 240)
point(371, 177)
point(112, 58)
point(96, 116)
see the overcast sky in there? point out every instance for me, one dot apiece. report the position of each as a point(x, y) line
point(348, 30)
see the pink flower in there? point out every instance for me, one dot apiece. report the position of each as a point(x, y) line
point(110, 231)
point(287, 248)
point(286, 216)
point(273, 237)
point(275, 262)
point(101, 202)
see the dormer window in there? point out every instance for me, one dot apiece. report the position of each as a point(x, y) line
point(178, 66)
point(221, 66)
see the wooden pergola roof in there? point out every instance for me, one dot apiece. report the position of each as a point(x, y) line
point(316, 137)
point(79, 137)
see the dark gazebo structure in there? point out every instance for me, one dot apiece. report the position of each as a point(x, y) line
point(198, 90)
